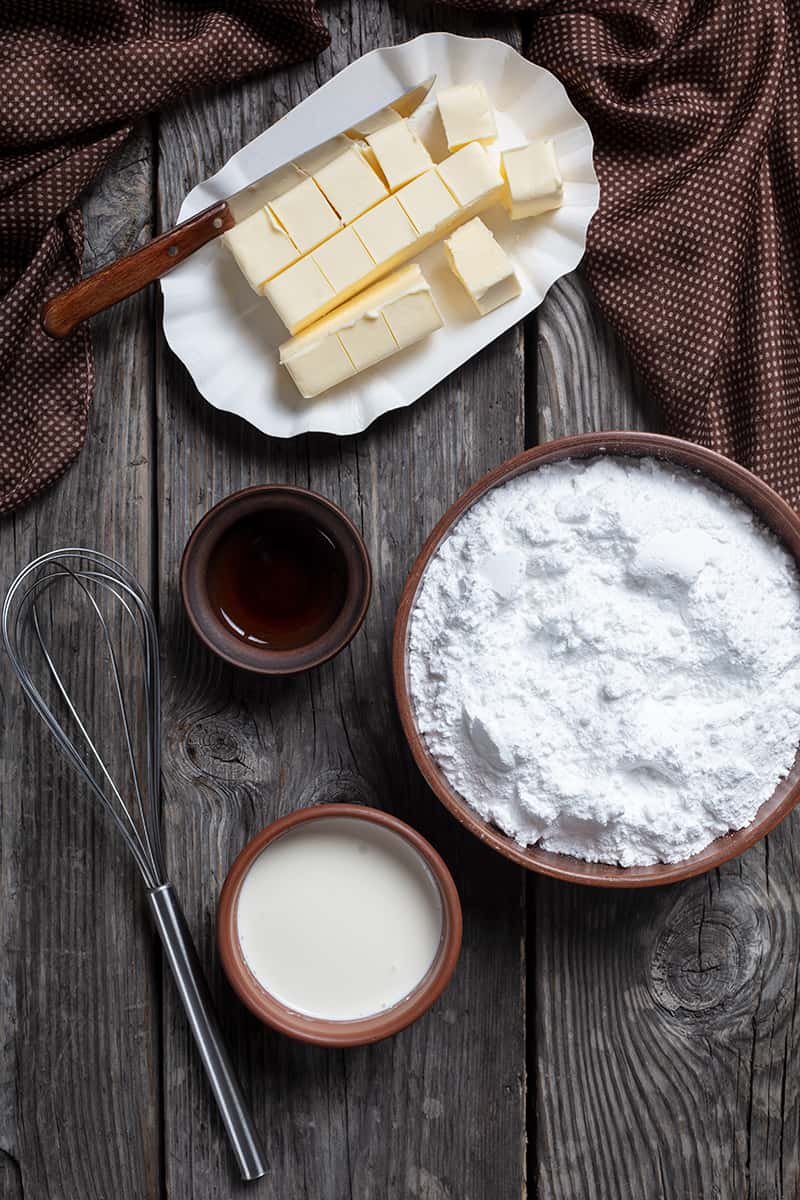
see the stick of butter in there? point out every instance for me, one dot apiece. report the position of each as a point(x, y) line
point(386, 318)
point(401, 155)
point(389, 234)
point(261, 247)
point(534, 180)
point(482, 265)
point(467, 115)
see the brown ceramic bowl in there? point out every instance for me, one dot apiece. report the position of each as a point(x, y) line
point(283, 500)
point(774, 513)
point(317, 1030)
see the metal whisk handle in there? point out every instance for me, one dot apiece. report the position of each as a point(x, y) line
point(185, 965)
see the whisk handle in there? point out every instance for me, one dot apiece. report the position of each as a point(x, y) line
point(196, 999)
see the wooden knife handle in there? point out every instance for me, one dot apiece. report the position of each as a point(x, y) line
point(130, 274)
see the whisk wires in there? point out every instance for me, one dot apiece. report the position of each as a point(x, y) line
point(97, 581)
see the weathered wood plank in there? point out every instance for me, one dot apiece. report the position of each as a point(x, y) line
point(666, 1019)
point(79, 1006)
point(585, 380)
point(438, 1112)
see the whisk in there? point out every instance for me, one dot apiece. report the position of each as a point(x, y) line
point(100, 597)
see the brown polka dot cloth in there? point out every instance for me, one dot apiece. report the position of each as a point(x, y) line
point(74, 74)
point(694, 254)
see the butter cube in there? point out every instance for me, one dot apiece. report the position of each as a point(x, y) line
point(534, 179)
point(368, 340)
point(306, 215)
point(467, 115)
point(471, 175)
point(319, 366)
point(261, 247)
point(343, 259)
point(257, 194)
point(370, 157)
point(298, 292)
point(378, 120)
point(482, 265)
point(341, 172)
point(427, 202)
point(385, 230)
point(412, 316)
point(373, 325)
point(314, 160)
point(400, 154)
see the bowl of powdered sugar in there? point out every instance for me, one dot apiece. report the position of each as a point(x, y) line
point(597, 659)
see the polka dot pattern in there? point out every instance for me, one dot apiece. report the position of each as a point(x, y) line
point(694, 253)
point(74, 74)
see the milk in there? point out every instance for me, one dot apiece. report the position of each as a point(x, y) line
point(339, 918)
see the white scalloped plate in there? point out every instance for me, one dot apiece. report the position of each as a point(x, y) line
point(228, 338)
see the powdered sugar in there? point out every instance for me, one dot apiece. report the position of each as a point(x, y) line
point(605, 660)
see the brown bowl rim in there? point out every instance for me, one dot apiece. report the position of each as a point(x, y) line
point(316, 1030)
point(226, 645)
point(773, 511)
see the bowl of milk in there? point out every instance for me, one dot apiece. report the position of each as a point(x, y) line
point(339, 925)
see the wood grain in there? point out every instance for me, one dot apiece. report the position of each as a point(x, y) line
point(585, 381)
point(665, 1022)
point(79, 1085)
point(437, 1113)
point(663, 1026)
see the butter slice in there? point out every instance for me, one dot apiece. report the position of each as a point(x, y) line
point(347, 180)
point(314, 160)
point(427, 202)
point(534, 179)
point(385, 231)
point(343, 259)
point(378, 120)
point(467, 115)
point(368, 340)
point(257, 194)
point(400, 154)
point(412, 316)
point(319, 366)
point(482, 265)
point(369, 156)
point(261, 247)
point(365, 328)
point(306, 215)
point(471, 175)
point(298, 292)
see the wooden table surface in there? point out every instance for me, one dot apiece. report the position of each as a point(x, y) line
point(628, 1046)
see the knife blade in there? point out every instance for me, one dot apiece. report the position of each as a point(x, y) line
point(255, 195)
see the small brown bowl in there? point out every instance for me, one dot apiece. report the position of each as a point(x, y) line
point(318, 1030)
point(282, 500)
point(765, 503)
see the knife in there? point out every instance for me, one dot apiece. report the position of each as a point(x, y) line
point(121, 278)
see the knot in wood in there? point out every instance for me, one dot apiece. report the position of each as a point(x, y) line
point(707, 956)
point(213, 748)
